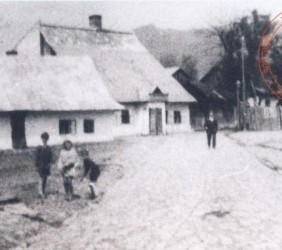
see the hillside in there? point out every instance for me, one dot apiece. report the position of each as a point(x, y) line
point(202, 44)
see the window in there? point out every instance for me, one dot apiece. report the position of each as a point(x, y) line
point(267, 102)
point(88, 126)
point(67, 127)
point(125, 118)
point(177, 117)
point(166, 116)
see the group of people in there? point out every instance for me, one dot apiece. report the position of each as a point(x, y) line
point(69, 163)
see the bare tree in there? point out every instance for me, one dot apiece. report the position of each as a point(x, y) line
point(251, 27)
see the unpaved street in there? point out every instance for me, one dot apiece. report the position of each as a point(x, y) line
point(178, 194)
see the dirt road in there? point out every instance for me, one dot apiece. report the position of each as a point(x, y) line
point(178, 194)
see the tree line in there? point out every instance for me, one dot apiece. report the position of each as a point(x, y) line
point(250, 27)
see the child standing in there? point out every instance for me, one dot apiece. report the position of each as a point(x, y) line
point(92, 170)
point(67, 163)
point(44, 158)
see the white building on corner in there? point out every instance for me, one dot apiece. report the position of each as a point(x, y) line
point(155, 103)
point(63, 96)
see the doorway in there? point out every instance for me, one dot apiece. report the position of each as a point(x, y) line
point(18, 129)
point(155, 119)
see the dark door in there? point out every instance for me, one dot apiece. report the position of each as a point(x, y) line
point(152, 121)
point(159, 123)
point(155, 121)
point(18, 129)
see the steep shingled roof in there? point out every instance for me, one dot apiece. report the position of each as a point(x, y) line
point(129, 71)
point(62, 36)
point(52, 83)
point(202, 92)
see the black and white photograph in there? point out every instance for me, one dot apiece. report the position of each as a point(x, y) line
point(141, 125)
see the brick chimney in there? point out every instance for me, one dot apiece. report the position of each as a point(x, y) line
point(95, 21)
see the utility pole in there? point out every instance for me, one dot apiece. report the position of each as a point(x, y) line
point(243, 49)
point(238, 84)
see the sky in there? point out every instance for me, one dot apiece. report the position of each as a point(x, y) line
point(127, 15)
point(17, 17)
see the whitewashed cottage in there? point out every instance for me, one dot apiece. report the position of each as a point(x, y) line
point(63, 96)
point(154, 102)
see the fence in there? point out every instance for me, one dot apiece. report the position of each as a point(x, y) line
point(257, 119)
point(261, 118)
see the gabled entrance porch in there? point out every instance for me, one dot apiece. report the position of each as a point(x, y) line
point(156, 107)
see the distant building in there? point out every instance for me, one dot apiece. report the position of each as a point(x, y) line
point(221, 103)
point(154, 102)
point(63, 96)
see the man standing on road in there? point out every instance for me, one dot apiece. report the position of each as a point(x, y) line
point(211, 128)
point(43, 163)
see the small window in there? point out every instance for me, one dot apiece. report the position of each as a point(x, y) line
point(67, 127)
point(125, 118)
point(166, 116)
point(88, 126)
point(267, 102)
point(177, 117)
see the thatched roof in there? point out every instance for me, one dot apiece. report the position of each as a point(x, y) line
point(129, 71)
point(52, 83)
point(132, 76)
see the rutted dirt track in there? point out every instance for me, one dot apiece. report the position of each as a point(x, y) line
point(178, 194)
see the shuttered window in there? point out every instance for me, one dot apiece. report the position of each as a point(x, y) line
point(177, 117)
point(125, 117)
point(67, 127)
point(88, 126)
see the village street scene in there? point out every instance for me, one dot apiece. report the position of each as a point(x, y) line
point(140, 125)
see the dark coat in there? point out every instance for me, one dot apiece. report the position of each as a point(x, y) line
point(44, 158)
point(211, 126)
point(92, 168)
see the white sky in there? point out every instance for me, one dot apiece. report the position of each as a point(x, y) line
point(127, 15)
